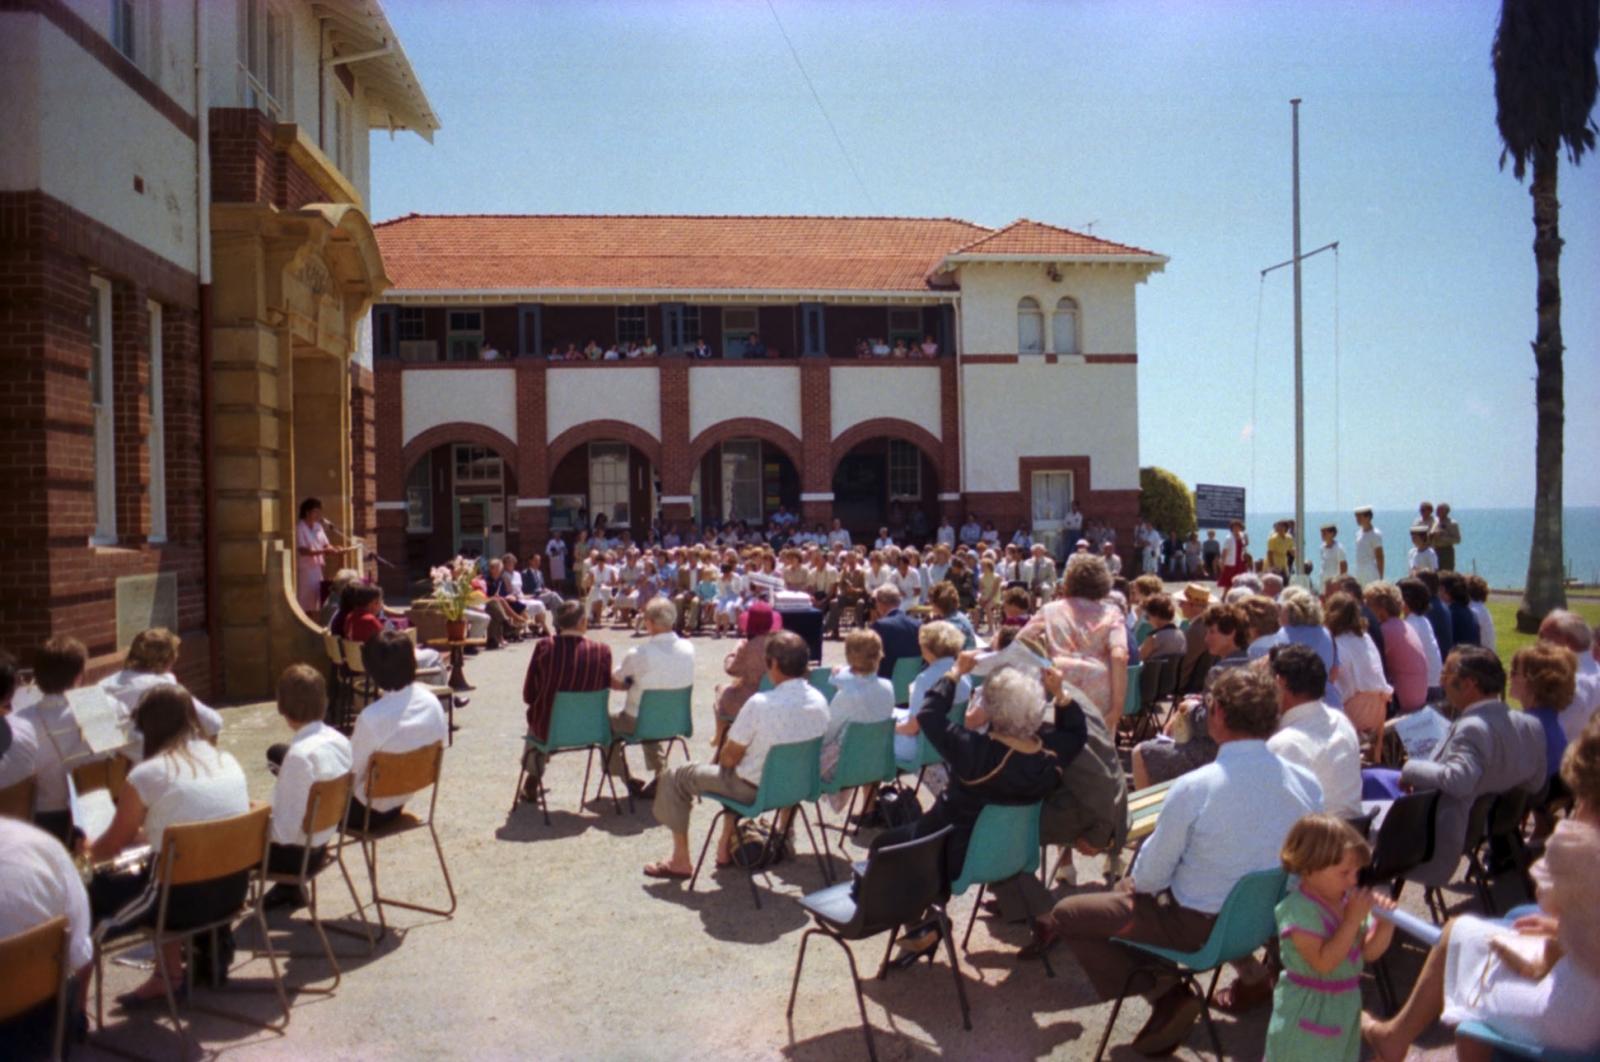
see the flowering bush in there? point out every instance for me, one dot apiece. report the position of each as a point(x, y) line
point(456, 588)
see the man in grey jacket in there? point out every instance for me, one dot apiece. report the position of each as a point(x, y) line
point(1489, 749)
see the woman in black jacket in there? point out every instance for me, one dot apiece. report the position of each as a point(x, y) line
point(994, 756)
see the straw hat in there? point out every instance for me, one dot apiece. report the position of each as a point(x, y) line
point(1196, 594)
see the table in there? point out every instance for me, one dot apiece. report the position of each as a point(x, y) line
point(807, 623)
point(458, 659)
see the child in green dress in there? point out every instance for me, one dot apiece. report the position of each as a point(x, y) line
point(1325, 935)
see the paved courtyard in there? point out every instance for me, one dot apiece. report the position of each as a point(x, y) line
point(561, 948)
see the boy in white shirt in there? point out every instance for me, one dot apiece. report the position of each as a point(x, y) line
point(1421, 557)
point(57, 668)
point(408, 716)
point(1333, 564)
point(316, 753)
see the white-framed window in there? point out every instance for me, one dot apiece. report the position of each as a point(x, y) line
point(125, 28)
point(905, 323)
point(689, 328)
point(1030, 326)
point(608, 483)
point(1052, 501)
point(741, 480)
point(737, 324)
point(464, 335)
point(266, 58)
point(1064, 327)
point(156, 440)
point(633, 326)
point(342, 130)
point(905, 471)
point(411, 323)
point(100, 398)
point(478, 468)
point(419, 495)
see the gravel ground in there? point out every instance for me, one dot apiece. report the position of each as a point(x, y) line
point(561, 948)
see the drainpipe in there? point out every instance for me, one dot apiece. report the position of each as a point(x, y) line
point(202, 186)
point(961, 406)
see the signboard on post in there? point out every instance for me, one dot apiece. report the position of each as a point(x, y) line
point(1216, 506)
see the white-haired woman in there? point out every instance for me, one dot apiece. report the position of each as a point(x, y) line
point(1300, 616)
point(995, 757)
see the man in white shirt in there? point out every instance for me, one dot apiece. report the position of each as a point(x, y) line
point(792, 711)
point(1072, 523)
point(1218, 823)
point(1039, 574)
point(664, 662)
point(1567, 629)
point(945, 535)
point(488, 352)
point(839, 537)
point(1318, 738)
point(38, 883)
point(1333, 563)
point(1369, 548)
point(908, 581)
point(316, 753)
point(408, 716)
point(971, 531)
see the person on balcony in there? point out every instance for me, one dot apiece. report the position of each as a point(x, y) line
point(754, 347)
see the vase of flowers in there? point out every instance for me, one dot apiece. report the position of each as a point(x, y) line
point(454, 593)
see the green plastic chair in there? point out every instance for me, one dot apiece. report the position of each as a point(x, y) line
point(577, 721)
point(1138, 716)
point(1005, 843)
point(906, 670)
point(866, 756)
point(790, 776)
point(822, 681)
point(664, 715)
point(1246, 922)
point(1131, 700)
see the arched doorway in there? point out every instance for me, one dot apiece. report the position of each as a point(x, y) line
point(460, 500)
point(744, 479)
point(609, 478)
point(885, 481)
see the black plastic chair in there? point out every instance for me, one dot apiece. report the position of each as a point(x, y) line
point(899, 886)
point(1500, 832)
point(1166, 681)
point(1405, 841)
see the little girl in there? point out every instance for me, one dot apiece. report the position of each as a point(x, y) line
point(730, 590)
point(989, 594)
point(1325, 935)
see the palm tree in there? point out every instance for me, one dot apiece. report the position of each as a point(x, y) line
point(1544, 91)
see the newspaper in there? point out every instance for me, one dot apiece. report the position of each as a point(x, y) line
point(98, 719)
point(1025, 655)
point(1420, 732)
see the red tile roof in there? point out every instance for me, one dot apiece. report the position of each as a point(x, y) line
point(1035, 238)
point(428, 252)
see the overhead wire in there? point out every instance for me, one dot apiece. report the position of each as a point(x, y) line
point(817, 99)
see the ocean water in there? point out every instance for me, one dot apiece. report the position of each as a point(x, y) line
point(1494, 542)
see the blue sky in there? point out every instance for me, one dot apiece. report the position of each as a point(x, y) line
point(1165, 125)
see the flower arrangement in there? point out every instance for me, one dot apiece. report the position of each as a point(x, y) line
point(456, 588)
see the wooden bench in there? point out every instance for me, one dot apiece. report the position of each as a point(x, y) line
point(1144, 807)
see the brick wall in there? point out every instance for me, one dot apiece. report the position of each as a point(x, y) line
point(246, 167)
point(51, 580)
point(363, 455)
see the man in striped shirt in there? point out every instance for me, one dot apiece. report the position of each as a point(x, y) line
point(568, 662)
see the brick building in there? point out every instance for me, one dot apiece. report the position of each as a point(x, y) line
point(489, 439)
point(185, 273)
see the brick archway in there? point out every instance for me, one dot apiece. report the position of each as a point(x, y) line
point(459, 432)
point(747, 428)
point(893, 428)
point(602, 431)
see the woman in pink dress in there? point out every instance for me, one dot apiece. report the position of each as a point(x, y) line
point(1086, 635)
point(746, 665)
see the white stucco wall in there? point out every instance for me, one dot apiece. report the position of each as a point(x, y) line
point(77, 133)
point(1105, 296)
point(1032, 409)
point(859, 393)
point(721, 393)
point(477, 396)
point(576, 395)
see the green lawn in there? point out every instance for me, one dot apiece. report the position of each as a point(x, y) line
point(1508, 640)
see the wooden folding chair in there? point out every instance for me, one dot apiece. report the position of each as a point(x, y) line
point(327, 804)
point(362, 691)
point(109, 774)
point(191, 854)
point(36, 968)
point(16, 801)
point(402, 774)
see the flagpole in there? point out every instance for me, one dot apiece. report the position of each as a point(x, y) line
point(1299, 374)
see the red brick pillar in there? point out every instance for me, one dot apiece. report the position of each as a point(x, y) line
point(363, 456)
point(816, 441)
point(677, 467)
point(951, 504)
point(130, 368)
point(533, 466)
point(390, 473)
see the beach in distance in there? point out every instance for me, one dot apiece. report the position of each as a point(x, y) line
point(1494, 542)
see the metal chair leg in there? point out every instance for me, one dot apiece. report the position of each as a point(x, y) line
point(799, 961)
point(827, 856)
point(947, 931)
point(976, 904)
point(522, 774)
point(1111, 1023)
point(715, 819)
point(822, 862)
point(1044, 953)
point(883, 967)
point(1205, 1014)
point(588, 765)
point(861, 999)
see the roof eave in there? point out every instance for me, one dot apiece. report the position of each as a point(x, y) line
point(406, 106)
point(516, 294)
